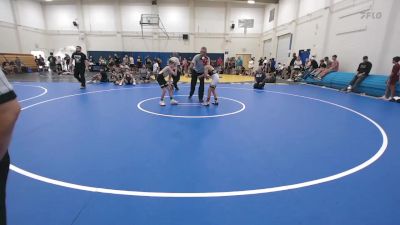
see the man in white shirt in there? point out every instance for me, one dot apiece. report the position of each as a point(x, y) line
point(251, 66)
point(156, 68)
point(131, 62)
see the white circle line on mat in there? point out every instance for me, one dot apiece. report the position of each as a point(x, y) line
point(36, 96)
point(348, 172)
point(139, 105)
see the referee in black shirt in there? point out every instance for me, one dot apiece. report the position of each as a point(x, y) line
point(81, 65)
point(9, 111)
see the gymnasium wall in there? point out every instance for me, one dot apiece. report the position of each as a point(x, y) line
point(326, 27)
point(114, 25)
point(330, 27)
point(6, 14)
point(24, 30)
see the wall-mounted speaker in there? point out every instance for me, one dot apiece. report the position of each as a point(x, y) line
point(185, 36)
point(154, 2)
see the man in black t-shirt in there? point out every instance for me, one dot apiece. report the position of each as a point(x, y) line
point(291, 64)
point(81, 64)
point(362, 72)
point(260, 61)
point(52, 62)
point(259, 78)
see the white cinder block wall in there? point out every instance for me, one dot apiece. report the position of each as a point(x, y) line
point(330, 27)
point(114, 25)
point(326, 27)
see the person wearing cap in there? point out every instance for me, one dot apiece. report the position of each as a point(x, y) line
point(363, 71)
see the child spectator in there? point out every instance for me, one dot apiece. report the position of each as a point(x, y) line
point(144, 74)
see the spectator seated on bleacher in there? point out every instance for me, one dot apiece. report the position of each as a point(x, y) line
point(297, 66)
point(362, 72)
point(259, 78)
point(311, 67)
point(322, 66)
point(21, 63)
point(127, 76)
point(332, 66)
point(144, 74)
point(8, 68)
point(279, 69)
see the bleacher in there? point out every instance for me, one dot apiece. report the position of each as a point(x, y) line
point(374, 85)
point(27, 59)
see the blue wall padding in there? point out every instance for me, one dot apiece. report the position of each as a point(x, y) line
point(374, 85)
point(164, 56)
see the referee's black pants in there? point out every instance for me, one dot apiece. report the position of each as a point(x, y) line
point(193, 84)
point(79, 74)
point(175, 79)
point(4, 168)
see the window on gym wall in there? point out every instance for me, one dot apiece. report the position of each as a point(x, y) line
point(284, 47)
point(268, 48)
point(272, 15)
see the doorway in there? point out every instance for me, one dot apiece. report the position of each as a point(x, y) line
point(245, 58)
